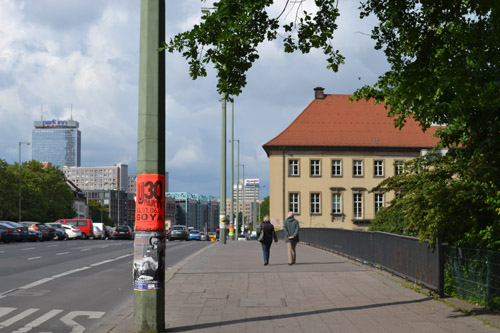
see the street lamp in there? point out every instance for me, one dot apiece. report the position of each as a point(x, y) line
point(237, 189)
point(231, 219)
point(20, 143)
point(255, 186)
point(243, 189)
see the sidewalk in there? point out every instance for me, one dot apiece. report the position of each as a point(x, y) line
point(226, 288)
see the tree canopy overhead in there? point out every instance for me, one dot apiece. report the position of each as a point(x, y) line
point(444, 58)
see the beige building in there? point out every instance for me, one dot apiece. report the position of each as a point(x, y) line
point(324, 165)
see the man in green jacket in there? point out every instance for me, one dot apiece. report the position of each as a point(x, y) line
point(291, 227)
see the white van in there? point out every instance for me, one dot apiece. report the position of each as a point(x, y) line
point(99, 234)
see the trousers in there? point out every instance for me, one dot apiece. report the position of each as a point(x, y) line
point(291, 252)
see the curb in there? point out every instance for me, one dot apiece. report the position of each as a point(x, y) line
point(123, 320)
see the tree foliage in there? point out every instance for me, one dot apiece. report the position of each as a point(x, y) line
point(229, 37)
point(264, 208)
point(438, 197)
point(444, 59)
point(45, 196)
point(97, 210)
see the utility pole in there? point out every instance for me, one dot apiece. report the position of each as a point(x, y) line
point(149, 243)
point(231, 219)
point(222, 216)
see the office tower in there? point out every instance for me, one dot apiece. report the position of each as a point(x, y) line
point(57, 142)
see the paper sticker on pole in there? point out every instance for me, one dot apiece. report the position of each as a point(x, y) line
point(150, 203)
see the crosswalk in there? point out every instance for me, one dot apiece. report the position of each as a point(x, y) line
point(13, 318)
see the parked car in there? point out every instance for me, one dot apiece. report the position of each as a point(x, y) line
point(72, 231)
point(21, 229)
point(102, 228)
point(85, 226)
point(212, 236)
point(51, 232)
point(123, 232)
point(203, 236)
point(108, 232)
point(97, 232)
point(60, 232)
point(179, 232)
point(9, 234)
point(194, 235)
point(34, 235)
point(39, 227)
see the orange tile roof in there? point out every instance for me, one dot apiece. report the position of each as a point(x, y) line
point(336, 122)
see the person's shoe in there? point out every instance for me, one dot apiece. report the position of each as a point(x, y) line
point(265, 263)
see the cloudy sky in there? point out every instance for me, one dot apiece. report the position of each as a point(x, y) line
point(80, 57)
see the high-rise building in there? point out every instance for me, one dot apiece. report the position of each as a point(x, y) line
point(57, 142)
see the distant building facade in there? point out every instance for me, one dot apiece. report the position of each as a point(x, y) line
point(324, 165)
point(197, 211)
point(57, 142)
point(107, 185)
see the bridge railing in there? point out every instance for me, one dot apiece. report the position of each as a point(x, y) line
point(402, 255)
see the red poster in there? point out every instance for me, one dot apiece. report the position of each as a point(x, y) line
point(150, 203)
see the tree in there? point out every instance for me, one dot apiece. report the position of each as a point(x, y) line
point(264, 208)
point(99, 213)
point(9, 193)
point(45, 195)
point(444, 61)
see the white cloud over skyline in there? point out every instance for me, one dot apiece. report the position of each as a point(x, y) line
point(81, 58)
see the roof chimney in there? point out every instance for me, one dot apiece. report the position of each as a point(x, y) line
point(319, 93)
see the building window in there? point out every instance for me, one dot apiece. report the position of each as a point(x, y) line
point(357, 168)
point(378, 168)
point(315, 203)
point(336, 168)
point(293, 167)
point(294, 202)
point(358, 205)
point(315, 168)
point(398, 167)
point(336, 203)
point(379, 201)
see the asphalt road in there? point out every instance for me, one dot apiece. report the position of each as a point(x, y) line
point(69, 286)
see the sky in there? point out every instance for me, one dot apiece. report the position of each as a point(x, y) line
point(79, 59)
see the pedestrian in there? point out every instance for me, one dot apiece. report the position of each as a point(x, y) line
point(291, 228)
point(266, 235)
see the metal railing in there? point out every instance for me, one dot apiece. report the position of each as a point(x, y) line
point(473, 275)
point(402, 255)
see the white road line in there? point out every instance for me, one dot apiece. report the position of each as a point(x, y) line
point(52, 245)
point(38, 321)
point(60, 254)
point(28, 248)
point(36, 283)
point(77, 328)
point(4, 311)
point(70, 272)
point(85, 250)
point(20, 316)
point(33, 258)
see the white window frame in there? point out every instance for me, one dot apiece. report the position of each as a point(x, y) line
point(378, 201)
point(398, 167)
point(294, 202)
point(357, 204)
point(315, 168)
point(293, 167)
point(315, 203)
point(336, 204)
point(357, 168)
point(336, 167)
point(378, 168)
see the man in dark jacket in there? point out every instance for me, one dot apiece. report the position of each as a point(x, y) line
point(291, 228)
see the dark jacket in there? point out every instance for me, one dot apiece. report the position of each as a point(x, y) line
point(291, 228)
point(269, 233)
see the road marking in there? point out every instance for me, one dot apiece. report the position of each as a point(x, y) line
point(38, 321)
point(4, 311)
point(85, 250)
point(60, 254)
point(20, 316)
point(33, 258)
point(28, 248)
point(36, 283)
point(77, 328)
point(70, 272)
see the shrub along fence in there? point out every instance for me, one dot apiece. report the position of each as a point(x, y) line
point(401, 255)
point(473, 275)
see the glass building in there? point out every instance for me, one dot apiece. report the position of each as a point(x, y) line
point(57, 142)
